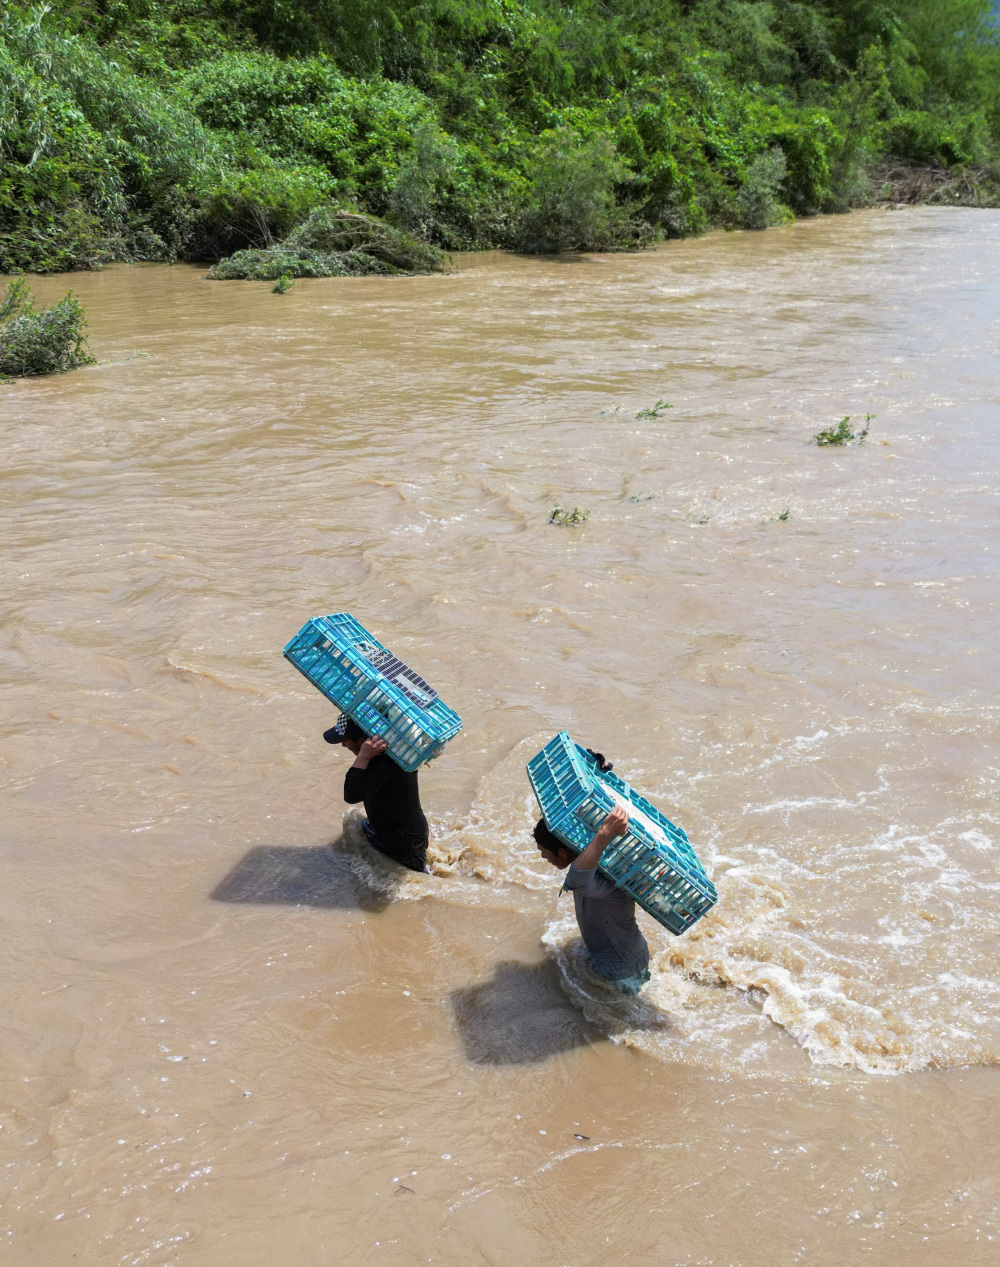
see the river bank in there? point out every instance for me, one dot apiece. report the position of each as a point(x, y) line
point(162, 132)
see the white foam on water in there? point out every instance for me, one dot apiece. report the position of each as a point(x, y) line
point(870, 954)
point(380, 876)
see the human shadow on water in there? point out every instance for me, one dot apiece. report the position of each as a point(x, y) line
point(519, 1016)
point(314, 875)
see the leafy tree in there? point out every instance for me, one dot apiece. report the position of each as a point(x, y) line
point(164, 129)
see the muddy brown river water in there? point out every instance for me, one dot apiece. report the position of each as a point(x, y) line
point(225, 1041)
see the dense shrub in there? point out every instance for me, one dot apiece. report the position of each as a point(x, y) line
point(256, 207)
point(164, 129)
point(92, 155)
point(40, 340)
point(307, 114)
point(927, 138)
point(572, 203)
point(424, 175)
point(757, 203)
point(807, 145)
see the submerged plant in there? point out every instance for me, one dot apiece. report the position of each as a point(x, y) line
point(842, 433)
point(563, 517)
point(40, 340)
point(654, 411)
point(283, 285)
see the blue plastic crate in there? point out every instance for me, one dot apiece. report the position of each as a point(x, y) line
point(368, 683)
point(653, 862)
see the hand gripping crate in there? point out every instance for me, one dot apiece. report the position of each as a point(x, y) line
point(652, 862)
point(368, 683)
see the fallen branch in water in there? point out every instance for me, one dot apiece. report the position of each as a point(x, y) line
point(907, 184)
point(335, 244)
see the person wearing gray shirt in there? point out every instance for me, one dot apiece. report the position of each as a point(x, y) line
point(606, 916)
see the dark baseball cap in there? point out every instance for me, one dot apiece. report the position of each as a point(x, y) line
point(346, 728)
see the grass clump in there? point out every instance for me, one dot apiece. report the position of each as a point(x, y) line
point(565, 517)
point(40, 340)
point(842, 433)
point(334, 243)
point(283, 285)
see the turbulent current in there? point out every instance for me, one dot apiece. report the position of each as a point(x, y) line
point(234, 1033)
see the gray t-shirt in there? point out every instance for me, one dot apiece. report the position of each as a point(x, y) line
point(606, 917)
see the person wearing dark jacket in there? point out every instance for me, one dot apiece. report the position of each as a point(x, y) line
point(394, 824)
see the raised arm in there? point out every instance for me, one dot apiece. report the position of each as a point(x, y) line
point(616, 824)
point(370, 748)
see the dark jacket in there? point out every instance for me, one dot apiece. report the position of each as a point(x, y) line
point(392, 801)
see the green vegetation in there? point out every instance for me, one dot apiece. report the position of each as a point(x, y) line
point(758, 204)
point(196, 129)
point(334, 244)
point(654, 411)
point(572, 205)
point(40, 340)
point(283, 285)
point(842, 433)
point(564, 517)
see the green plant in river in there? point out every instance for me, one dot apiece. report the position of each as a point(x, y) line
point(283, 285)
point(563, 517)
point(334, 244)
point(654, 411)
point(842, 433)
point(40, 340)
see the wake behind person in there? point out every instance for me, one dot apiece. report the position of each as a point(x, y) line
point(617, 949)
point(394, 823)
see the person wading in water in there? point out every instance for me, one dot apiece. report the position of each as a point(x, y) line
point(394, 824)
point(606, 916)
